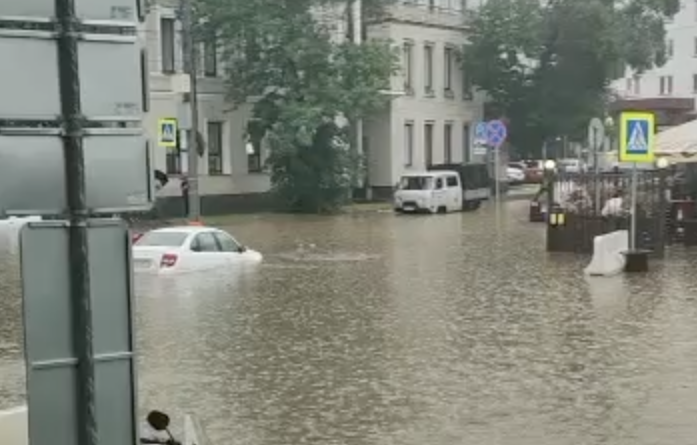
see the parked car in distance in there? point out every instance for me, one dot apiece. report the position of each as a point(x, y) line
point(534, 171)
point(189, 249)
point(515, 175)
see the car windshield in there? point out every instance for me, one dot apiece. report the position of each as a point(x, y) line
point(163, 239)
point(416, 183)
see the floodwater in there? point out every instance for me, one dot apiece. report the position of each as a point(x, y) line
point(438, 330)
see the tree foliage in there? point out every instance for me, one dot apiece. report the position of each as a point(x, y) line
point(546, 66)
point(287, 59)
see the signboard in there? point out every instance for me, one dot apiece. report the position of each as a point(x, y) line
point(496, 133)
point(118, 173)
point(49, 333)
point(167, 133)
point(110, 81)
point(637, 137)
point(596, 134)
point(480, 134)
point(118, 10)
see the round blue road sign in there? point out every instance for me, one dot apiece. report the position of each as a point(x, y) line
point(496, 133)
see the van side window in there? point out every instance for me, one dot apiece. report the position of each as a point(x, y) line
point(439, 183)
point(452, 181)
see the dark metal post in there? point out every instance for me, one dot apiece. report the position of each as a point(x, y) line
point(69, 79)
point(663, 235)
point(549, 185)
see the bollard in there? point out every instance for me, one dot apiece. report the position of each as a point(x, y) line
point(637, 261)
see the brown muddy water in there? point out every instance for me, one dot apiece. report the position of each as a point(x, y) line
point(437, 330)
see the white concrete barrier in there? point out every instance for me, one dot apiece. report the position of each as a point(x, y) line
point(14, 426)
point(607, 258)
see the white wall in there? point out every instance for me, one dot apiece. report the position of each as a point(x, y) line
point(14, 427)
point(682, 66)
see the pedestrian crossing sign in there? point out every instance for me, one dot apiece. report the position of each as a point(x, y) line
point(167, 133)
point(637, 137)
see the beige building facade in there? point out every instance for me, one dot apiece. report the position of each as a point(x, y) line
point(430, 120)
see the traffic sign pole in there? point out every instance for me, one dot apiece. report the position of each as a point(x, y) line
point(496, 136)
point(636, 145)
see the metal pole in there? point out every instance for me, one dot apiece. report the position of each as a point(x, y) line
point(74, 164)
point(497, 173)
point(596, 179)
point(633, 206)
point(357, 28)
point(190, 53)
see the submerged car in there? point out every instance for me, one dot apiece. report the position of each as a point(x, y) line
point(189, 249)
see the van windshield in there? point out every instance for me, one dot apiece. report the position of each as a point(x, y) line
point(416, 183)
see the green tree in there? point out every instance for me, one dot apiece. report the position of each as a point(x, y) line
point(280, 56)
point(546, 66)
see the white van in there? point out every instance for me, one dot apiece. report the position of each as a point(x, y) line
point(432, 192)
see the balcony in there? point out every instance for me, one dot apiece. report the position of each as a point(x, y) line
point(426, 15)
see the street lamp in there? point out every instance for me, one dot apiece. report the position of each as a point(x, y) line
point(550, 165)
point(662, 163)
point(609, 132)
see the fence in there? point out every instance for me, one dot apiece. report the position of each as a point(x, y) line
point(595, 204)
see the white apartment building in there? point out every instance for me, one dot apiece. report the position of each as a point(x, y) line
point(431, 123)
point(670, 89)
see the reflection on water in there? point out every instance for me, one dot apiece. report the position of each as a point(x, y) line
point(376, 329)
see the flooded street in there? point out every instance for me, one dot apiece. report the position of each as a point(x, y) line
point(377, 329)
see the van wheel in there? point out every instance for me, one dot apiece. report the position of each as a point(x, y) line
point(442, 209)
point(476, 205)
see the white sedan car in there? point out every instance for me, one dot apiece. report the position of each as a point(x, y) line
point(189, 249)
point(515, 175)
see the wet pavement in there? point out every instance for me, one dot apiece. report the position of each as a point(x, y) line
point(438, 330)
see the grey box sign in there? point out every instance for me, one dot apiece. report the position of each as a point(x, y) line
point(111, 84)
point(48, 329)
point(32, 176)
point(122, 10)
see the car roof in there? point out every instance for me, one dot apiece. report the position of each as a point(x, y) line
point(432, 173)
point(191, 230)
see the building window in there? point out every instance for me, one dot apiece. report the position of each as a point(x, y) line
point(408, 61)
point(215, 148)
point(448, 65)
point(428, 69)
point(174, 155)
point(428, 144)
point(694, 83)
point(210, 57)
point(637, 85)
point(448, 143)
point(408, 144)
point(167, 42)
point(666, 85)
point(466, 86)
point(694, 49)
point(254, 158)
point(466, 140)
point(669, 48)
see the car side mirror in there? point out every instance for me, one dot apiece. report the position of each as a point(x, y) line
point(242, 249)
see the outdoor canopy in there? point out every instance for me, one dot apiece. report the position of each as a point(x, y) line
point(678, 144)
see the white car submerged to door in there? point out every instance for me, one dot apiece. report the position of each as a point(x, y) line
point(174, 250)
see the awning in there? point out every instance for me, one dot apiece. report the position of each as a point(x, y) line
point(678, 144)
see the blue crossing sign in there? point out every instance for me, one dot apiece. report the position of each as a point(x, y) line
point(167, 133)
point(637, 137)
point(496, 133)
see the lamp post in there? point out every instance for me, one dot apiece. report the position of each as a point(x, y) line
point(609, 132)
